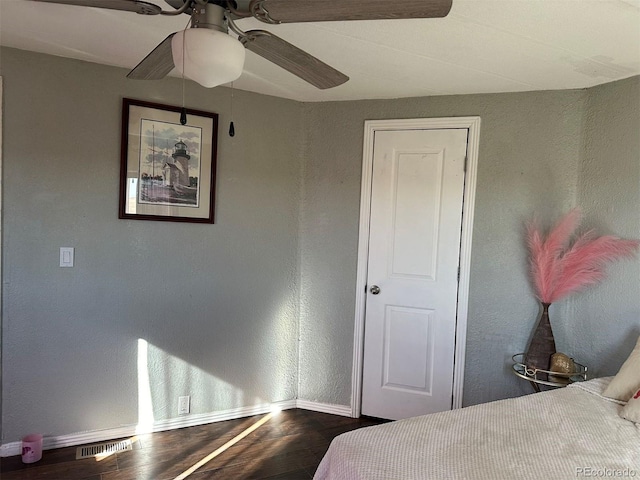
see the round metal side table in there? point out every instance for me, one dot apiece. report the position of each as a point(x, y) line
point(537, 377)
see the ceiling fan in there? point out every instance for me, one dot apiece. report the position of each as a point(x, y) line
point(207, 54)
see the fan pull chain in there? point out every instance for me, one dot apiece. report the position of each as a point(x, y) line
point(183, 112)
point(232, 130)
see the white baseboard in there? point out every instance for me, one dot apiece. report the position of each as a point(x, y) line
point(15, 448)
point(342, 410)
point(82, 438)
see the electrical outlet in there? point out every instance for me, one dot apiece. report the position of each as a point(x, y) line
point(183, 405)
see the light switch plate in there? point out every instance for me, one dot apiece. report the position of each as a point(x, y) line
point(66, 256)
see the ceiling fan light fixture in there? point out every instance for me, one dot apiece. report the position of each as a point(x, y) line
point(211, 58)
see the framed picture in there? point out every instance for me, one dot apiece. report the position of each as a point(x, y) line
point(168, 170)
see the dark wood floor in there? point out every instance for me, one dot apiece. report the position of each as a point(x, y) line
point(289, 446)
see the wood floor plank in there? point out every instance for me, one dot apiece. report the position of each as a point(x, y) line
point(287, 447)
point(73, 469)
point(259, 468)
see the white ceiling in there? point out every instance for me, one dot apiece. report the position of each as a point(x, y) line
point(481, 46)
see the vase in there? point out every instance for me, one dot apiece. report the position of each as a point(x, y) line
point(542, 345)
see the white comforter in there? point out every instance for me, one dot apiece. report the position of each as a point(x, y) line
point(568, 433)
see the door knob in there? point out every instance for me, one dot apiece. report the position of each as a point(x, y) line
point(375, 289)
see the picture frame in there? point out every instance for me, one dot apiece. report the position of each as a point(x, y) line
point(167, 170)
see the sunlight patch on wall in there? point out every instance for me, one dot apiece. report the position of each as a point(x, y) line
point(145, 403)
point(163, 377)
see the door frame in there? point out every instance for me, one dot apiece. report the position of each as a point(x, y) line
point(472, 124)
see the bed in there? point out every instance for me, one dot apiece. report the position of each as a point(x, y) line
point(571, 432)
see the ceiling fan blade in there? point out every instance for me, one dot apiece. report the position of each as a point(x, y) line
point(292, 59)
point(177, 4)
point(157, 64)
point(290, 11)
point(137, 6)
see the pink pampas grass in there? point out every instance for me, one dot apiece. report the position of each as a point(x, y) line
point(560, 267)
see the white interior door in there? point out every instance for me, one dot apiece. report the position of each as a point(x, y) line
point(412, 277)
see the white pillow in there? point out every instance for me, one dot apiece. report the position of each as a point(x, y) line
point(631, 411)
point(627, 381)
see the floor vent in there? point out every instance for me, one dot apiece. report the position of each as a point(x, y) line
point(103, 449)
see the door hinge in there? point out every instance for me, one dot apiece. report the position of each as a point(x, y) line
point(458, 274)
point(466, 158)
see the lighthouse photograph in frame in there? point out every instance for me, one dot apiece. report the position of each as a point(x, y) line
point(169, 167)
point(168, 163)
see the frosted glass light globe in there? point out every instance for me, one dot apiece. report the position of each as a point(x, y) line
point(211, 58)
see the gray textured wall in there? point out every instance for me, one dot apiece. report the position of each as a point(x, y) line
point(217, 304)
point(530, 145)
point(604, 322)
point(284, 245)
